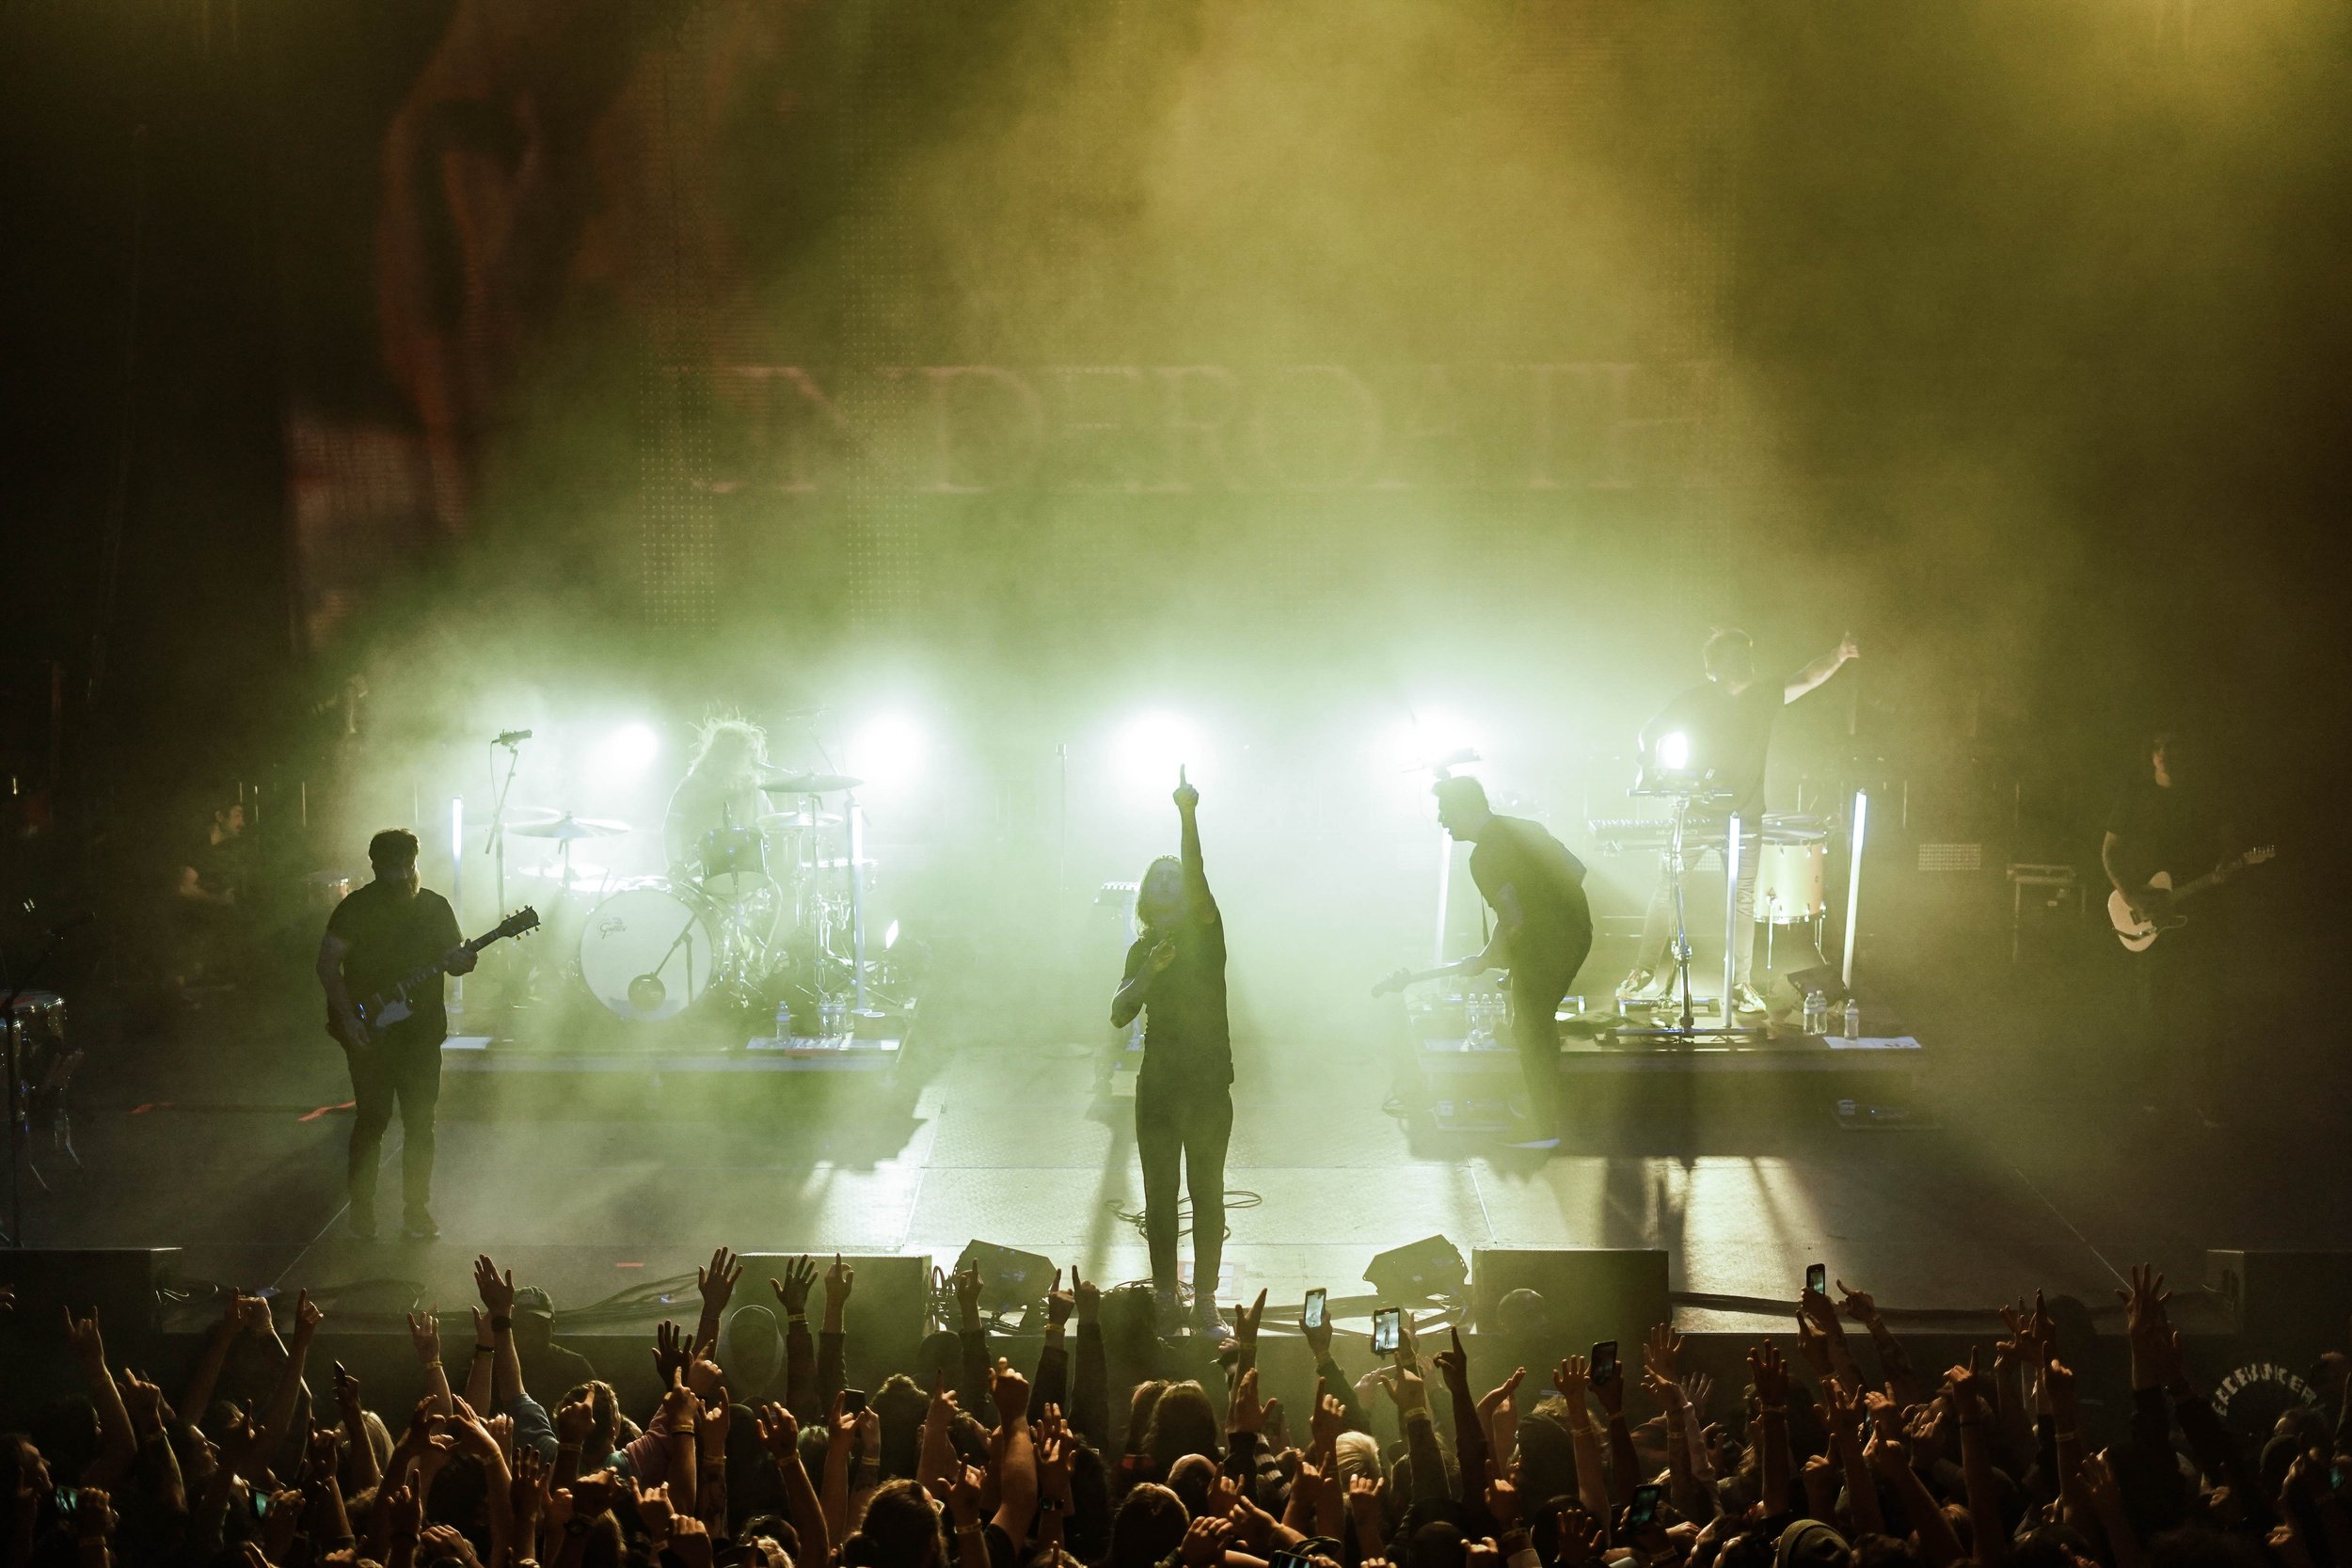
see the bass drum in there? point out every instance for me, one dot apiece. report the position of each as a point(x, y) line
point(648, 950)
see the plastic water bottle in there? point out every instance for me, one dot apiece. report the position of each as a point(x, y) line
point(1853, 1019)
point(1815, 1012)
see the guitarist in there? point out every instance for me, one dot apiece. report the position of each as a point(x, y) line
point(382, 933)
point(1543, 930)
point(2165, 821)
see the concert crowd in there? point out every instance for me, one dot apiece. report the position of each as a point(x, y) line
point(1839, 1450)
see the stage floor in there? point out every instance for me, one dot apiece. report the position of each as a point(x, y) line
point(224, 1137)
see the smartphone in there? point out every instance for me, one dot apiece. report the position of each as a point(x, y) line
point(1642, 1511)
point(1386, 1333)
point(260, 1502)
point(68, 1499)
point(853, 1401)
point(1605, 1362)
point(1310, 1315)
point(1817, 1279)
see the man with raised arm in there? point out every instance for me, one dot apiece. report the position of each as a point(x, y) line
point(1543, 929)
point(383, 933)
point(1175, 976)
point(1722, 726)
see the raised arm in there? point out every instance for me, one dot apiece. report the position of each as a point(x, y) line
point(1820, 669)
point(1572, 1378)
point(1196, 874)
point(117, 1445)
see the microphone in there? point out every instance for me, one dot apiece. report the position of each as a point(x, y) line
point(508, 737)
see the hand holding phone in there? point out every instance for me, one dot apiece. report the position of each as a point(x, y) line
point(1387, 1333)
point(1817, 1279)
point(1642, 1511)
point(1310, 1315)
point(1604, 1363)
point(853, 1401)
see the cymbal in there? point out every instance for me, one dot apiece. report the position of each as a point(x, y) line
point(568, 827)
point(776, 820)
point(808, 784)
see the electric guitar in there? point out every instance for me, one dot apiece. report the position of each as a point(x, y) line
point(386, 1007)
point(2139, 935)
point(1403, 977)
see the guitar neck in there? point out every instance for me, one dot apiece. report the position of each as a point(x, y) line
point(438, 966)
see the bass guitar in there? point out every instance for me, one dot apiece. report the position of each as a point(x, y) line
point(386, 1007)
point(2161, 899)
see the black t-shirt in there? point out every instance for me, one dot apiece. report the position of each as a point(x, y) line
point(1731, 735)
point(390, 935)
point(1185, 1039)
point(2164, 828)
point(700, 804)
point(1546, 882)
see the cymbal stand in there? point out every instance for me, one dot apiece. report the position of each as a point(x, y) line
point(19, 1107)
point(1687, 1028)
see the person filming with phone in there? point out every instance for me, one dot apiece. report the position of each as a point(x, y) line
point(1175, 977)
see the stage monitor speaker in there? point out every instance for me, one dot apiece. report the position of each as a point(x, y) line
point(890, 1305)
point(1588, 1294)
point(2290, 1304)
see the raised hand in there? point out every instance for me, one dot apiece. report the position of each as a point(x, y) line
point(1243, 1413)
point(2146, 1323)
point(1090, 1295)
point(1404, 1387)
point(1185, 797)
point(1573, 1378)
point(1318, 1338)
point(1768, 1371)
point(424, 1334)
point(307, 1319)
point(1011, 1392)
point(670, 1353)
point(1245, 1321)
point(1363, 1509)
point(1858, 1305)
point(838, 1280)
point(800, 1278)
point(496, 1290)
point(1060, 1304)
point(964, 1497)
point(94, 1515)
point(779, 1432)
point(574, 1422)
point(1453, 1364)
point(717, 1282)
point(1661, 1354)
point(1888, 1455)
point(1503, 1501)
point(1204, 1543)
point(84, 1341)
point(2058, 1379)
point(654, 1509)
point(1326, 1421)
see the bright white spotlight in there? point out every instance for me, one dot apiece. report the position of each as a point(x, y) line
point(628, 751)
point(1674, 750)
point(890, 937)
point(888, 750)
point(1150, 747)
point(1432, 738)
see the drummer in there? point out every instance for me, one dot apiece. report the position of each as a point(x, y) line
point(721, 789)
point(1723, 727)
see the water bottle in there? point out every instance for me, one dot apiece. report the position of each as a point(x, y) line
point(1853, 1019)
point(1815, 1012)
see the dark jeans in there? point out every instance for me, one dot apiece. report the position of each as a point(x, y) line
point(1535, 993)
point(409, 1071)
point(2181, 1017)
point(1182, 1129)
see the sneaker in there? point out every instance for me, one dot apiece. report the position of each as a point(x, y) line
point(419, 1227)
point(1168, 1315)
point(1208, 1322)
point(360, 1228)
point(1746, 999)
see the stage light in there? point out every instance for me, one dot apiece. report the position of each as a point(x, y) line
point(888, 750)
point(1150, 749)
point(890, 937)
point(1434, 738)
point(628, 751)
point(1674, 750)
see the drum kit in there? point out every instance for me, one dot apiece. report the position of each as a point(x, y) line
point(768, 913)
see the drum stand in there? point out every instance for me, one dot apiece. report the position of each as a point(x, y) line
point(19, 1105)
point(1686, 1030)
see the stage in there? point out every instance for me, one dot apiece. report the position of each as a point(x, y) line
point(223, 1134)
